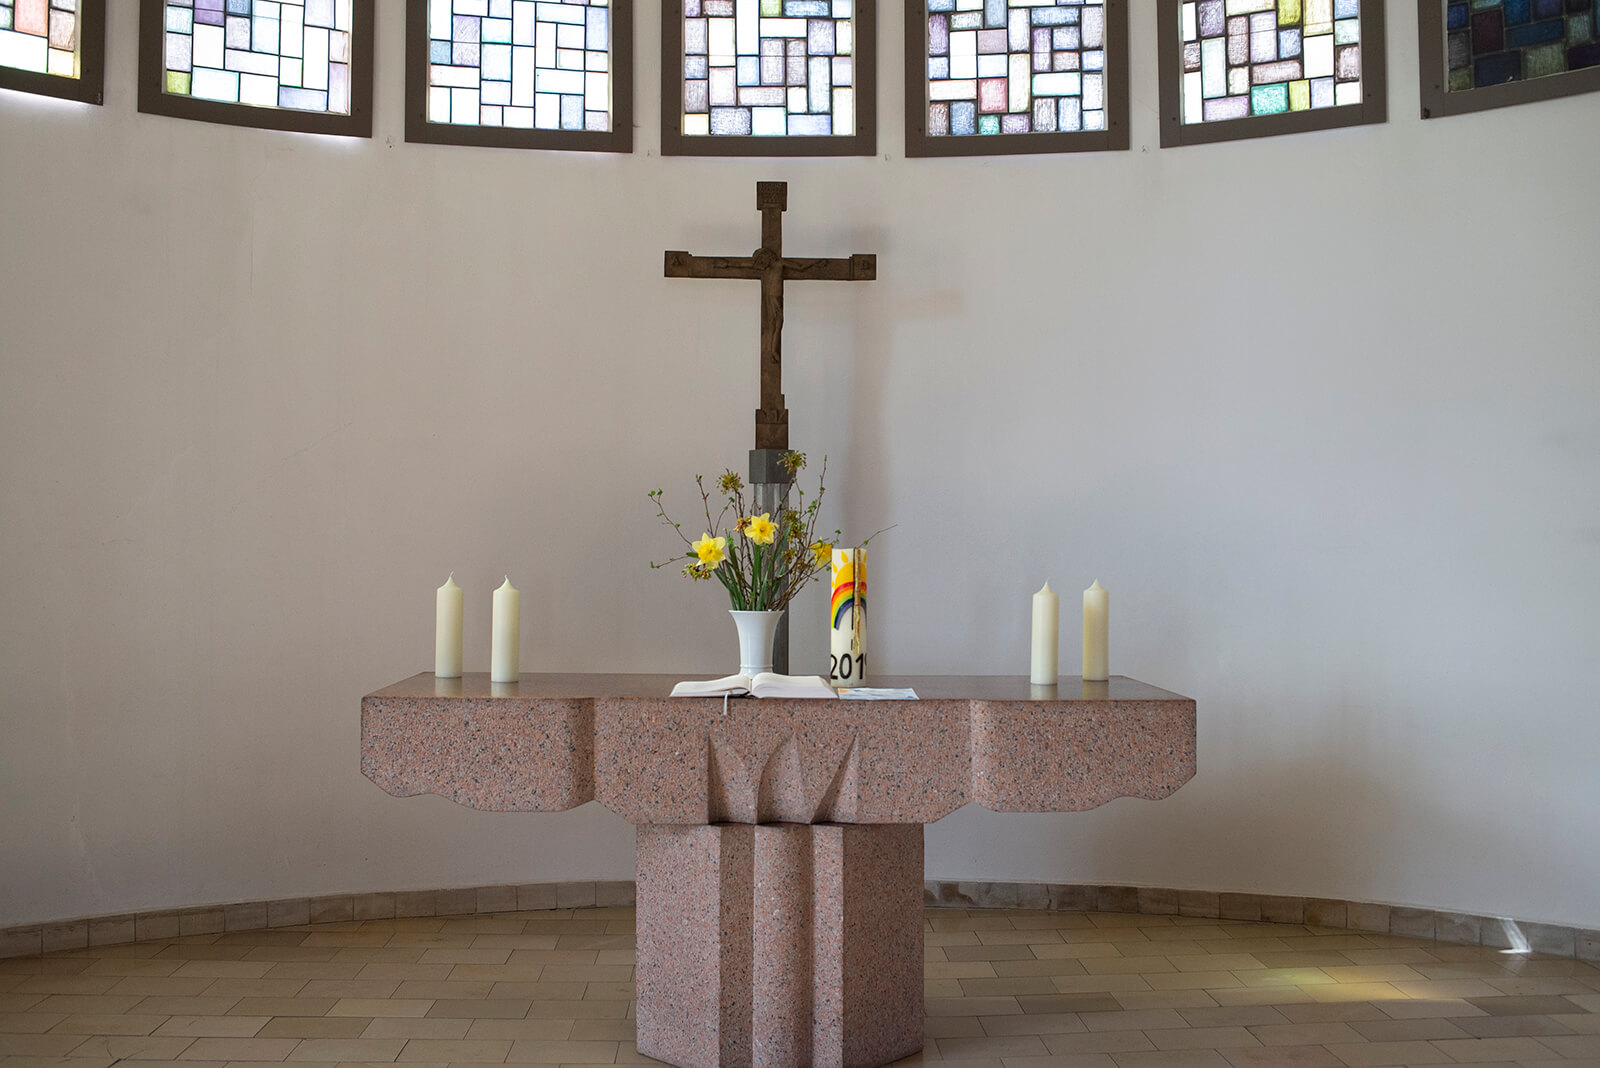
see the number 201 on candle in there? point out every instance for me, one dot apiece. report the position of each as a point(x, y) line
point(847, 666)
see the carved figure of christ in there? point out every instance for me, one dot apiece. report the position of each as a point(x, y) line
point(772, 269)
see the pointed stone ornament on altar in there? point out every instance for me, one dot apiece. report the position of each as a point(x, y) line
point(772, 269)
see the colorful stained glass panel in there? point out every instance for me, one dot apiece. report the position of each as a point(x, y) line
point(1491, 42)
point(260, 53)
point(40, 36)
point(1268, 57)
point(769, 68)
point(1015, 66)
point(520, 63)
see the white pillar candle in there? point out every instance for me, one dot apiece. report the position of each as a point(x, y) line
point(1096, 627)
point(505, 634)
point(447, 630)
point(1046, 637)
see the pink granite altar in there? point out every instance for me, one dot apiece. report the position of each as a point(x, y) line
point(780, 842)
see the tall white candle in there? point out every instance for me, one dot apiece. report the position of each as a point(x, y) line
point(505, 634)
point(447, 630)
point(1096, 632)
point(1046, 637)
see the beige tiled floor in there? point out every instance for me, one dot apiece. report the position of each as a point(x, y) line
point(1004, 990)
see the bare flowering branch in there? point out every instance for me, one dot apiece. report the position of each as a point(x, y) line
point(762, 560)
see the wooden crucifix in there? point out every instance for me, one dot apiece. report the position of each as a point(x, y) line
point(769, 265)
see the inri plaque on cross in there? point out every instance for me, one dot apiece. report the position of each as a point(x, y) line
point(769, 266)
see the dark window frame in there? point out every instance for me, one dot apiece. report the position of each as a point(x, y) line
point(920, 144)
point(1373, 108)
point(1438, 100)
point(618, 139)
point(864, 142)
point(155, 100)
point(89, 86)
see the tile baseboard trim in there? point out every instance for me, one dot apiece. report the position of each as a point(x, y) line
point(67, 935)
point(1327, 913)
point(1365, 917)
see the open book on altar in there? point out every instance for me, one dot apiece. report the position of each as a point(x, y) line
point(765, 684)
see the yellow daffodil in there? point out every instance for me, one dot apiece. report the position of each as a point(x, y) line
point(823, 551)
point(711, 551)
point(761, 529)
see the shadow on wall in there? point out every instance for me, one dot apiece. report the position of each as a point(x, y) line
point(1335, 819)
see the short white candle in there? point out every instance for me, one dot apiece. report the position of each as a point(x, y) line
point(1046, 637)
point(447, 630)
point(505, 634)
point(1096, 616)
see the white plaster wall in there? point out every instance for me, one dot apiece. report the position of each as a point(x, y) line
point(1320, 411)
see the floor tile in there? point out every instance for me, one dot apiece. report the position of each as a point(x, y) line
point(992, 1046)
point(1282, 1057)
point(1189, 1058)
point(1200, 1037)
point(1233, 1016)
point(288, 1007)
point(375, 1007)
point(1098, 1042)
point(239, 1049)
point(51, 1045)
point(213, 1026)
point(1038, 1023)
point(29, 1023)
point(415, 1027)
point(1479, 1050)
point(107, 1024)
point(538, 1051)
point(1511, 1026)
point(1420, 1030)
point(551, 1030)
point(993, 1006)
point(371, 1050)
point(1164, 999)
point(134, 1047)
point(1521, 1006)
point(1131, 1019)
point(1305, 1034)
point(1575, 1047)
point(315, 1027)
point(1359, 1055)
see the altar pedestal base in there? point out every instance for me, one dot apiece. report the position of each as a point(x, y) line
point(780, 944)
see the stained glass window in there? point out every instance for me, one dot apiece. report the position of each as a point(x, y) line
point(53, 47)
point(1248, 68)
point(290, 64)
point(1480, 54)
point(521, 73)
point(768, 77)
point(990, 76)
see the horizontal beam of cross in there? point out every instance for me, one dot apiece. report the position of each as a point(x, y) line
point(857, 268)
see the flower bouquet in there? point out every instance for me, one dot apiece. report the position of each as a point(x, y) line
point(761, 560)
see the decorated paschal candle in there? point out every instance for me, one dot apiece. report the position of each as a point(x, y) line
point(848, 613)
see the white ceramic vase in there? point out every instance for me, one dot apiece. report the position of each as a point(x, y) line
point(756, 632)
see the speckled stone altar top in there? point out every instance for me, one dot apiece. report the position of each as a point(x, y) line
point(552, 742)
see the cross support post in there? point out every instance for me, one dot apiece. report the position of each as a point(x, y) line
point(769, 483)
